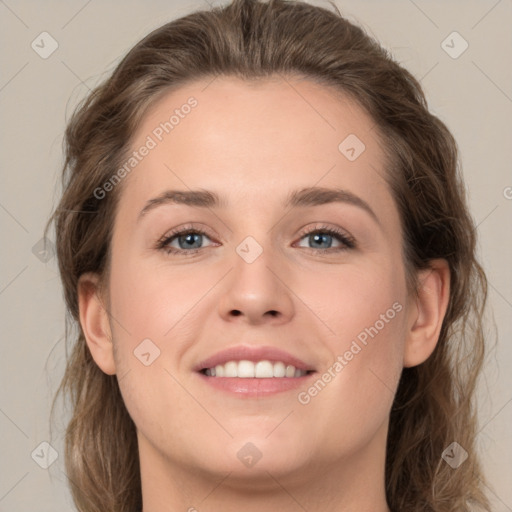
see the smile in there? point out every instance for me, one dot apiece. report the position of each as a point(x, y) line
point(260, 370)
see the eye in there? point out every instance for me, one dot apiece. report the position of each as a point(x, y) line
point(185, 240)
point(322, 239)
point(189, 240)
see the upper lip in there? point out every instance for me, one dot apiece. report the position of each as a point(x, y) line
point(254, 354)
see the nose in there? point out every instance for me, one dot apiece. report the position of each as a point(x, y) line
point(257, 292)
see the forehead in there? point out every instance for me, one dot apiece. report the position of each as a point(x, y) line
point(254, 140)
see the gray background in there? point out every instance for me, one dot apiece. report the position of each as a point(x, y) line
point(472, 94)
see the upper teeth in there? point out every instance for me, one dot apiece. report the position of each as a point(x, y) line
point(259, 370)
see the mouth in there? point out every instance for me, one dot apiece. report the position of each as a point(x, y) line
point(254, 372)
point(264, 369)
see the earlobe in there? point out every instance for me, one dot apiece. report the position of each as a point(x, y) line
point(95, 323)
point(428, 313)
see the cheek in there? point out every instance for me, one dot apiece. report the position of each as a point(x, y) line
point(364, 314)
point(153, 318)
point(355, 298)
point(163, 412)
point(150, 301)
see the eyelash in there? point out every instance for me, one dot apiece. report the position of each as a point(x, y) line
point(346, 240)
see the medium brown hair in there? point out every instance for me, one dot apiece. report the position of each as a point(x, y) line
point(249, 39)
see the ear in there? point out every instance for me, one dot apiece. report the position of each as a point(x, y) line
point(95, 323)
point(427, 312)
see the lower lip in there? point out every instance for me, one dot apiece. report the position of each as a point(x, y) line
point(255, 388)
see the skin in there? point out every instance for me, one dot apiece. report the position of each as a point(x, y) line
point(253, 143)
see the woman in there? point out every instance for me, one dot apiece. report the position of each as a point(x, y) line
point(264, 241)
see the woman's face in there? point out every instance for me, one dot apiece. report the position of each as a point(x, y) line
point(247, 273)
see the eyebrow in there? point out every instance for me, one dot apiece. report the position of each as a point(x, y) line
point(311, 196)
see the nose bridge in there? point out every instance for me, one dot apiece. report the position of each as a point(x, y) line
point(256, 289)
